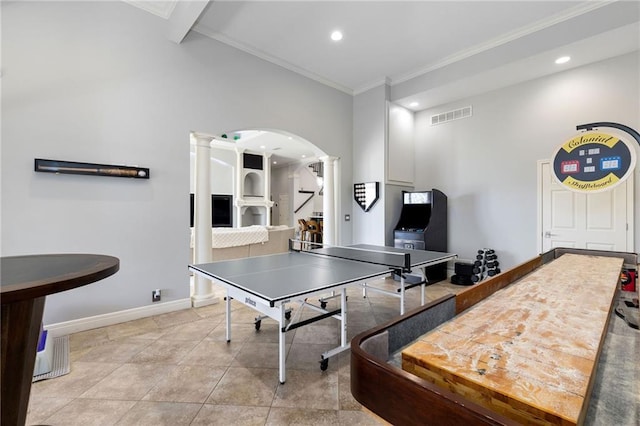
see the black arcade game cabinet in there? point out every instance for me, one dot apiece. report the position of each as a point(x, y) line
point(423, 226)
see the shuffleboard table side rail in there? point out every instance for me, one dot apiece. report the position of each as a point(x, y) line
point(630, 261)
point(474, 294)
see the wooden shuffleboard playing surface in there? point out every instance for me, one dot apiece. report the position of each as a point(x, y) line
point(529, 351)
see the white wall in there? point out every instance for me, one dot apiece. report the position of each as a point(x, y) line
point(369, 135)
point(486, 164)
point(99, 82)
point(399, 165)
point(222, 168)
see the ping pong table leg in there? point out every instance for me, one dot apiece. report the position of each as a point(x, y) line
point(423, 286)
point(343, 317)
point(281, 345)
point(228, 316)
point(401, 294)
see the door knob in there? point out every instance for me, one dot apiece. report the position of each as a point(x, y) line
point(548, 234)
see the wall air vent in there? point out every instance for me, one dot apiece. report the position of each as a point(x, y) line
point(457, 114)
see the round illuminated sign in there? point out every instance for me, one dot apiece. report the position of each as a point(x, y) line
point(594, 162)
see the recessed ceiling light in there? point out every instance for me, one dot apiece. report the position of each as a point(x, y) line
point(275, 162)
point(304, 156)
point(262, 147)
point(563, 60)
point(336, 35)
point(414, 104)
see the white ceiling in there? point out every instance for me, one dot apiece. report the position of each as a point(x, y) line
point(431, 52)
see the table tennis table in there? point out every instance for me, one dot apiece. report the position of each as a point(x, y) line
point(269, 284)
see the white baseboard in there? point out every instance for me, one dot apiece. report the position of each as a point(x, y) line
point(89, 323)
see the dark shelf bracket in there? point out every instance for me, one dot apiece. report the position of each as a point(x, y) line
point(305, 201)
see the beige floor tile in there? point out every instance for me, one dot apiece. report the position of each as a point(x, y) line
point(163, 352)
point(353, 331)
point(245, 386)
point(309, 389)
point(239, 332)
point(317, 334)
point(301, 417)
point(41, 408)
point(75, 355)
point(244, 315)
point(143, 326)
point(87, 339)
point(211, 310)
point(160, 370)
point(82, 377)
point(307, 356)
point(147, 413)
point(171, 319)
point(187, 383)
point(258, 355)
point(346, 400)
point(360, 313)
point(224, 415)
point(196, 330)
point(268, 333)
point(90, 412)
point(360, 418)
point(212, 353)
point(114, 351)
point(129, 381)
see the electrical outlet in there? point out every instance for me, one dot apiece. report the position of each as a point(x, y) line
point(156, 295)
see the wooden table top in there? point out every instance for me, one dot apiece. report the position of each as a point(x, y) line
point(32, 276)
point(531, 347)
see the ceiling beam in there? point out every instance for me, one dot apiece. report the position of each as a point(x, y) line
point(184, 16)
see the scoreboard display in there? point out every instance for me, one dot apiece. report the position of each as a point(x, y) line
point(593, 162)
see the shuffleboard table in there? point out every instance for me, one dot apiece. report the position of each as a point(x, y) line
point(519, 348)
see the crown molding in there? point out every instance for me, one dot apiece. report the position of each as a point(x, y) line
point(566, 15)
point(269, 58)
point(163, 9)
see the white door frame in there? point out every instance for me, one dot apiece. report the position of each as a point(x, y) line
point(630, 209)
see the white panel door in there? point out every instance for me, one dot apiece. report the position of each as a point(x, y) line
point(284, 210)
point(600, 221)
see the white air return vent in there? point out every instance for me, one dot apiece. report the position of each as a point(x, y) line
point(457, 114)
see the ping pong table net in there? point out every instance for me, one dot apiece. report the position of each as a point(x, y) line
point(394, 260)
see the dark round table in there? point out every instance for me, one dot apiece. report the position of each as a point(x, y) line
point(25, 281)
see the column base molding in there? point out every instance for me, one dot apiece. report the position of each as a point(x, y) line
point(200, 301)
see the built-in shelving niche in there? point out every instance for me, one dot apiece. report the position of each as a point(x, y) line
point(254, 215)
point(253, 185)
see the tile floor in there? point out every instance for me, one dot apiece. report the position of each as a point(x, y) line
point(177, 369)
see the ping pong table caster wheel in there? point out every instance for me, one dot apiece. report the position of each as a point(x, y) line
point(323, 305)
point(258, 324)
point(324, 364)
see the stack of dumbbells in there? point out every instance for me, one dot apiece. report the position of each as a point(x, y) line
point(485, 265)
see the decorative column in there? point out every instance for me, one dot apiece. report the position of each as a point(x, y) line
point(329, 234)
point(266, 162)
point(202, 288)
point(239, 193)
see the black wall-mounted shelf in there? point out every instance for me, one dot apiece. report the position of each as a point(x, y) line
point(76, 168)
